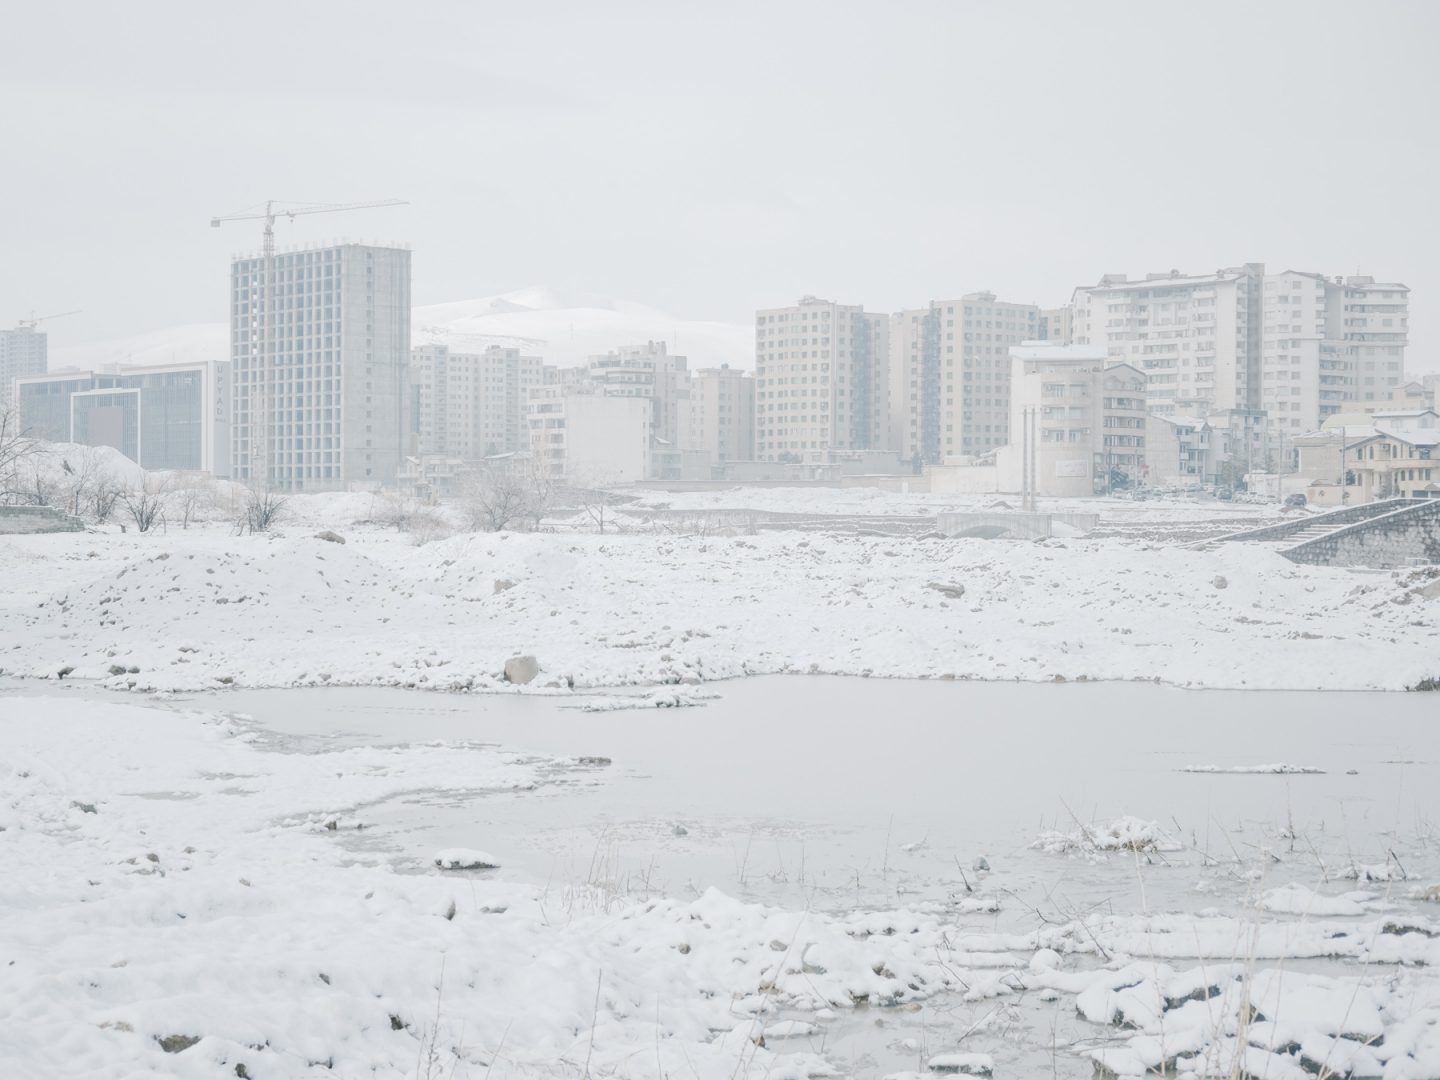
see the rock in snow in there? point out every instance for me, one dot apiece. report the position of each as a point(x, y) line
point(465, 859)
point(963, 1064)
point(521, 669)
point(330, 536)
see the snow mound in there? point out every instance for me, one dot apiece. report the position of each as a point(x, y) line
point(657, 699)
point(1123, 834)
point(1298, 900)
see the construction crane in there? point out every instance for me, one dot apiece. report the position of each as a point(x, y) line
point(35, 320)
point(260, 418)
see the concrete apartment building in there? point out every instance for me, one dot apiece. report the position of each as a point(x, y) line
point(1180, 450)
point(1197, 338)
point(24, 351)
point(722, 415)
point(171, 417)
point(1057, 325)
point(471, 405)
point(339, 353)
point(949, 373)
point(820, 381)
point(649, 371)
point(1266, 356)
point(1078, 416)
point(581, 434)
point(1328, 343)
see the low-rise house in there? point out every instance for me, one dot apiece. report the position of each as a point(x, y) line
point(1358, 459)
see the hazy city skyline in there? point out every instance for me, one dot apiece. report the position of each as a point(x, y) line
point(713, 162)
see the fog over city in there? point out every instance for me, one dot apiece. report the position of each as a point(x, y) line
point(708, 161)
point(747, 541)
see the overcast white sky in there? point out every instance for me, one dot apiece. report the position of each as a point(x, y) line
point(712, 159)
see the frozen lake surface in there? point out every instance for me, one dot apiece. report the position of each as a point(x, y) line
point(990, 805)
point(837, 793)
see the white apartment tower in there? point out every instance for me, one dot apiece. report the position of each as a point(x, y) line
point(24, 352)
point(471, 405)
point(1196, 338)
point(820, 381)
point(1328, 342)
point(337, 336)
point(949, 372)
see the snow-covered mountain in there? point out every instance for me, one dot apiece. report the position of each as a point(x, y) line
point(562, 330)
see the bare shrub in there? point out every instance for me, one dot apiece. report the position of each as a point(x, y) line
point(146, 507)
point(263, 509)
point(102, 496)
point(426, 524)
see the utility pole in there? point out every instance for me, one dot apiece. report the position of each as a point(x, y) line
point(1024, 459)
point(260, 444)
point(1344, 472)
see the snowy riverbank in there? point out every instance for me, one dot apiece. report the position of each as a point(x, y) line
point(201, 608)
point(182, 898)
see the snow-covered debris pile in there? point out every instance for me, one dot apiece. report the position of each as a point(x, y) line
point(604, 611)
point(1278, 769)
point(1274, 1023)
point(465, 859)
point(962, 1064)
point(58, 467)
point(656, 699)
point(1123, 834)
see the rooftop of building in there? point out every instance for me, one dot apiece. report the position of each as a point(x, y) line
point(1121, 283)
point(1047, 350)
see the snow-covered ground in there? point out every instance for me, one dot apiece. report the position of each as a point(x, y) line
point(191, 893)
point(202, 607)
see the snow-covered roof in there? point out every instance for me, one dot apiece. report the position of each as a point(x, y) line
point(1425, 437)
point(1037, 350)
point(1381, 414)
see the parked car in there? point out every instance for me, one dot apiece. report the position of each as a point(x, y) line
point(1225, 494)
point(1295, 500)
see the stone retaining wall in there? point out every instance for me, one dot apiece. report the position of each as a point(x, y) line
point(1363, 512)
point(1405, 537)
point(22, 520)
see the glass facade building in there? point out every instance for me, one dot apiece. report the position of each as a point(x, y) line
point(174, 417)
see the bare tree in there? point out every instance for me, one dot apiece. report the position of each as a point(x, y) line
point(15, 448)
point(495, 495)
point(597, 498)
point(542, 491)
point(147, 506)
point(78, 477)
point(191, 496)
point(262, 510)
